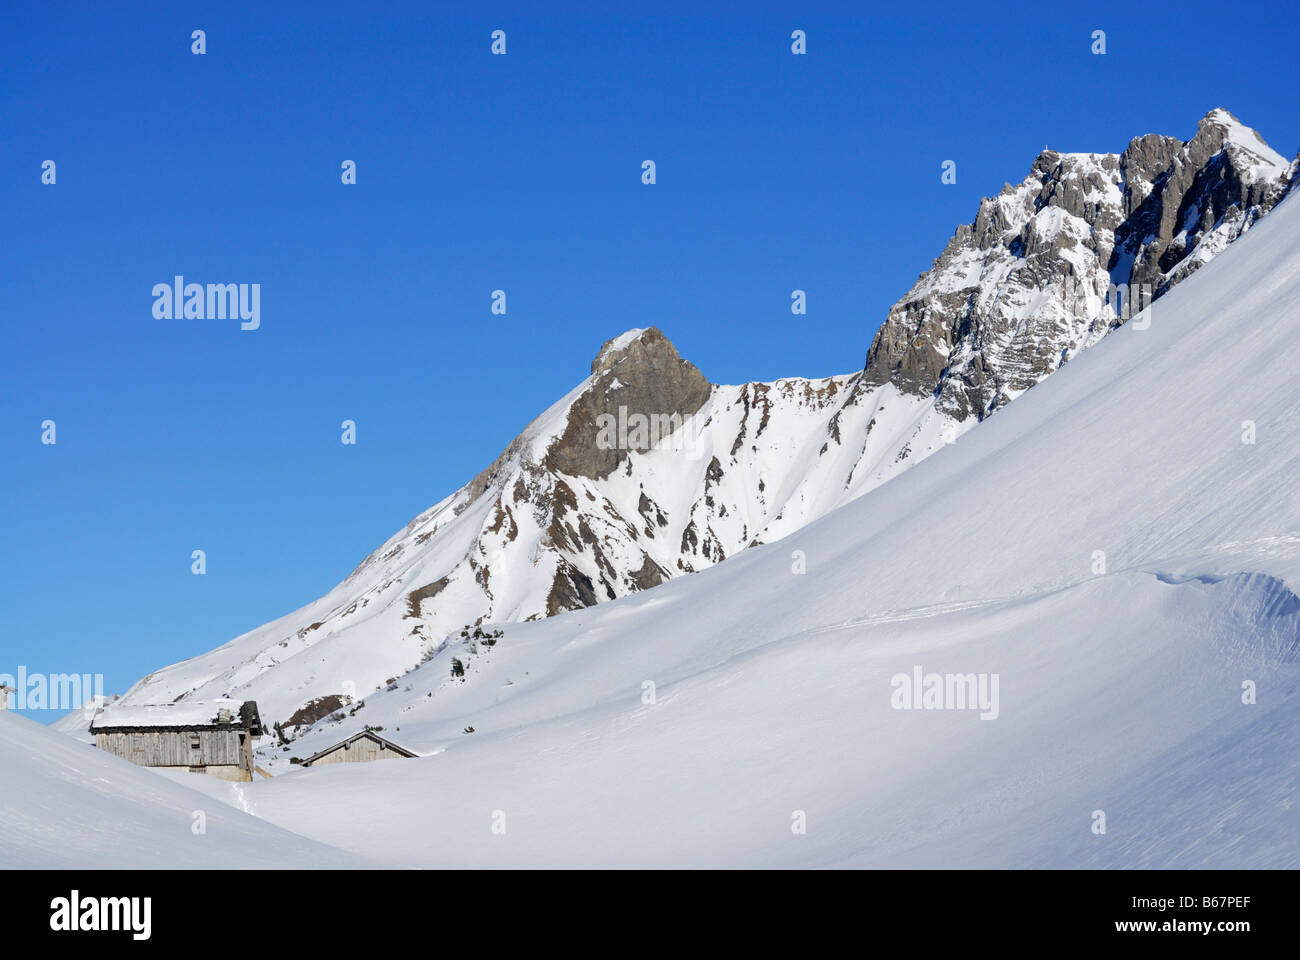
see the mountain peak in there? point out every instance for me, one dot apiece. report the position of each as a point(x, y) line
point(648, 377)
point(639, 345)
point(623, 340)
point(1260, 161)
point(1220, 116)
point(1028, 284)
point(1219, 126)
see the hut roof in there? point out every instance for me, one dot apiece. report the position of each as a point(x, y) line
point(357, 736)
point(193, 715)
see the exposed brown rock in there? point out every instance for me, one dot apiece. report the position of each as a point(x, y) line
point(426, 592)
point(646, 377)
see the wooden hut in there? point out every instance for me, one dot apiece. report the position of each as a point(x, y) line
point(213, 737)
point(361, 747)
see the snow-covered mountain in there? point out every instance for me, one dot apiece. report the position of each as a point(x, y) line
point(646, 471)
point(1119, 548)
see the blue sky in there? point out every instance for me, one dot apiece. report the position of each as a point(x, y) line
point(474, 172)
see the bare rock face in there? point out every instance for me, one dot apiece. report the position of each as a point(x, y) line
point(1049, 266)
point(639, 373)
point(1218, 179)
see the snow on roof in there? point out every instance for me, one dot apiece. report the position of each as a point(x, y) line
point(198, 713)
point(372, 734)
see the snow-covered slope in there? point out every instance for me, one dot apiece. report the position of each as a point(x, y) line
point(64, 804)
point(1110, 546)
point(576, 512)
point(76, 723)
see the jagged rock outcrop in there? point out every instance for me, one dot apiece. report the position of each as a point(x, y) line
point(1044, 270)
point(639, 372)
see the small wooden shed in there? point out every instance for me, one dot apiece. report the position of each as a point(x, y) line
point(213, 737)
point(361, 747)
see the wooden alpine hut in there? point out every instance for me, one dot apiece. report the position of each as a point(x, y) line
point(213, 737)
point(361, 747)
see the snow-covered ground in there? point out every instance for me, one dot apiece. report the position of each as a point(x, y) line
point(1107, 546)
point(64, 804)
point(1136, 714)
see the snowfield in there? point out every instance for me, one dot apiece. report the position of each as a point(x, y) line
point(1108, 547)
point(713, 773)
point(64, 804)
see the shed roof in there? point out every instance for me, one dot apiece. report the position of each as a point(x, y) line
point(357, 736)
point(192, 715)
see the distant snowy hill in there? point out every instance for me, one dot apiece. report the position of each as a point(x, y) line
point(565, 519)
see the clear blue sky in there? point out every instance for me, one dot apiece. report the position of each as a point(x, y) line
point(475, 172)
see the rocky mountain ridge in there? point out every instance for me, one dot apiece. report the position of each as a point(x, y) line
point(647, 471)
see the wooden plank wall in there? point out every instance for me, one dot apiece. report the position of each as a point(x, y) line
point(166, 748)
point(361, 750)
